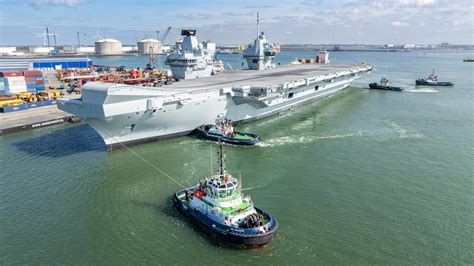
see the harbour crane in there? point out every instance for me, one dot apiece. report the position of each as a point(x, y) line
point(165, 35)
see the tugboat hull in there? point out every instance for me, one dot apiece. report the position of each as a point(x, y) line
point(251, 139)
point(240, 237)
point(421, 82)
point(376, 86)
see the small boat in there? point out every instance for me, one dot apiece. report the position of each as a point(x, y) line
point(468, 59)
point(432, 80)
point(218, 206)
point(223, 130)
point(384, 85)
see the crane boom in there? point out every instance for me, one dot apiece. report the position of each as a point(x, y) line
point(165, 35)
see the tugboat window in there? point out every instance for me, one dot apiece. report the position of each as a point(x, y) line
point(316, 88)
point(255, 61)
point(290, 95)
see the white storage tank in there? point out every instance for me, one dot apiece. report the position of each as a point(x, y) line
point(108, 47)
point(145, 44)
point(8, 50)
point(41, 50)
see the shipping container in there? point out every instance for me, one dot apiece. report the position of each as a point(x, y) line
point(16, 89)
point(11, 74)
point(32, 73)
point(39, 81)
point(29, 79)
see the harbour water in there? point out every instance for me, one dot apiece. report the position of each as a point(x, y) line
point(363, 177)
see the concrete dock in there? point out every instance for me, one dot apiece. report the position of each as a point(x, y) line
point(32, 118)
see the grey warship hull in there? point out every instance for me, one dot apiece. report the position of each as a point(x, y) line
point(125, 115)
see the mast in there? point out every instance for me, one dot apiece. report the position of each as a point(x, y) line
point(221, 159)
point(258, 26)
point(78, 42)
point(47, 36)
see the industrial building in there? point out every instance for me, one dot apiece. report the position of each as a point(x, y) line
point(145, 45)
point(108, 47)
point(26, 63)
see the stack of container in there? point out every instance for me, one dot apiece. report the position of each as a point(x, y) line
point(14, 82)
point(2, 86)
point(34, 81)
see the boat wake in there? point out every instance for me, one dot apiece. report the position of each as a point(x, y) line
point(422, 90)
point(303, 139)
point(402, 133)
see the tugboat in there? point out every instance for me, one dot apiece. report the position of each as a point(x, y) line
point(384, 85)
point(432, 80)
point(219, 207)
point(223, 130)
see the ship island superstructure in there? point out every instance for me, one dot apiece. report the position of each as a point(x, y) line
point(192, 59)
point(261, 53)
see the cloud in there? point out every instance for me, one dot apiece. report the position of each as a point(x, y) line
point(418, 2)
point(311, 2)
point(69, 3)
point(399, 23)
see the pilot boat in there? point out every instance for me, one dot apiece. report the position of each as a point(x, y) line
point(222, 211)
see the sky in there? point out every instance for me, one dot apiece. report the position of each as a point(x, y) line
point(234, 22)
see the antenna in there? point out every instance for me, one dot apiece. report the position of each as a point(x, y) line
point(258, 26)
point(157, 34)
point(212, 172)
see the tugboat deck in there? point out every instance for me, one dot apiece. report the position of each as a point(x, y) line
point(268, 77)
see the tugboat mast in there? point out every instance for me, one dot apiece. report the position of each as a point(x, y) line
point(221, 159)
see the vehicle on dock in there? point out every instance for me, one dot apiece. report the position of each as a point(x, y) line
point(218, 206)
point(432, 80)
point(224, 131)
point(384, 85)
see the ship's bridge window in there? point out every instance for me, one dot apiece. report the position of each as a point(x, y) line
point(222, 193)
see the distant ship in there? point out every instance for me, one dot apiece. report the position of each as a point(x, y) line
point(124, 114)
point(468, 59)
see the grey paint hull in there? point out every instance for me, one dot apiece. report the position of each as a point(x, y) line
point(160, 114)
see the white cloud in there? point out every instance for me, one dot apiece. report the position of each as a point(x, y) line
point(70, 3)
point(418, 2)
point(399, 23)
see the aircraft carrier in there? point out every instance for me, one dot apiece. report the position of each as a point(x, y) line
point(125, 114)
point(134, 114)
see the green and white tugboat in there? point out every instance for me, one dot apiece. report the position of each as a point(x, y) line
point(219, 207)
